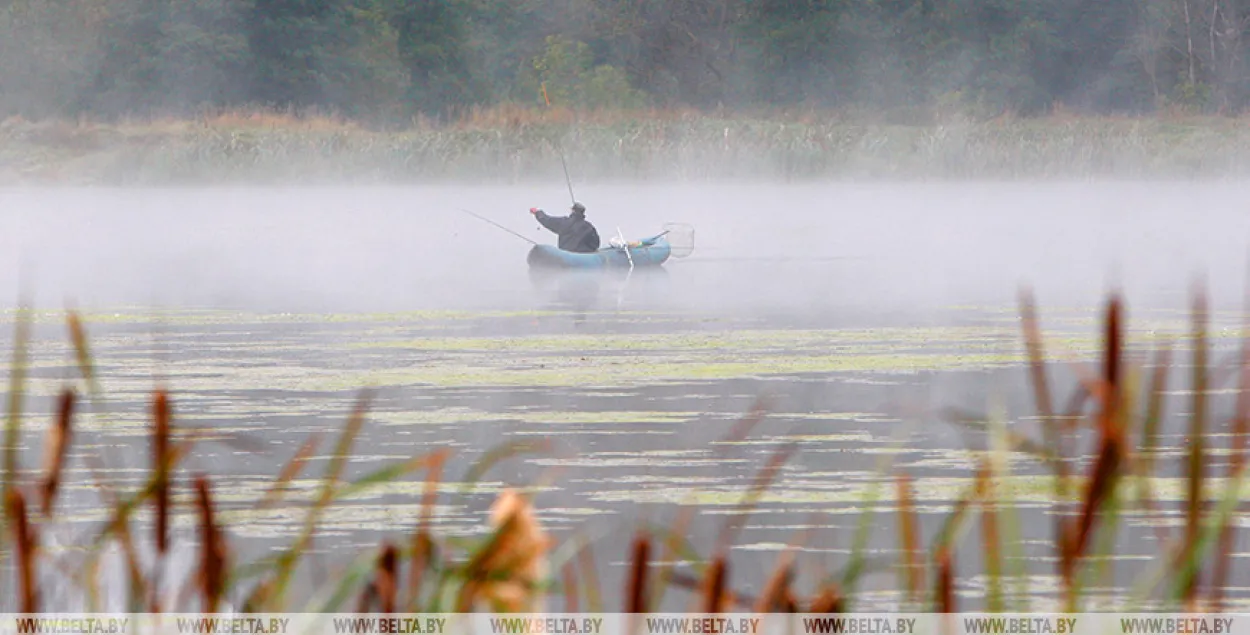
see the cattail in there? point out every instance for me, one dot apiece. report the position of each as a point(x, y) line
point(160, 467)
point(25, 543)
point(387, 581)
point(945, 592)
point(1111, 450)
point(78, 336)
point(57, 448)
point(714, 587)
point(636, 601)
point(213, 549)
point(507, 571)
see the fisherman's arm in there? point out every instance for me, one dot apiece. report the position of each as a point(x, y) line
point(553, 223)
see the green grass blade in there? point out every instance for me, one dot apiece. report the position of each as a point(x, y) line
point(384, 475)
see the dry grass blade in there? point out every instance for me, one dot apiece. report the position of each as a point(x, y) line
point(1197, 441)
point(590, 578)
point(25, 544)
point(743, 427)
point(1237, 447)
point(138, 584)
point(421, 559)
point(909, 538)
point(570, 588)
point(777, 594)
point(161, 467)
point(429, 496)
point(1052, 435)
point(829, 600)
point(714, 585)
point(212, 574)
point(57, 448)
point(699, 586)
point(422, 544)
point(292, 469)
point(777, 588)
point(992, 546)
point(672, 545)
point(1154, 409)
point(1041, 386)
point(759, 485)
point(636, 599)
point(1017, 441)
point(1037, 365)
point(387, 580)
point(287, 561)
point(258, 598)
point(367, 597)
point(672, 537)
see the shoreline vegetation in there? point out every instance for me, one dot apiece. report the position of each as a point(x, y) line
point(510, 144)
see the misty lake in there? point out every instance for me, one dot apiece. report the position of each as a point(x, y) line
point(855, 314)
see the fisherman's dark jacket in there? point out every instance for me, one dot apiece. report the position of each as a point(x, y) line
point(576, 234)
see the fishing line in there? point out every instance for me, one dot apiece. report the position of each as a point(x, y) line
point(483, 218)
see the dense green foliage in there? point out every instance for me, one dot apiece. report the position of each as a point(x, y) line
point(391, 59)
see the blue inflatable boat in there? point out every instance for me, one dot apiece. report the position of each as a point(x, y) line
point(649, 252)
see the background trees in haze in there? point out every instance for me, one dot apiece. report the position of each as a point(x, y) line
point(393, 59)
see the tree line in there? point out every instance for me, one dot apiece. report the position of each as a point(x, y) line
point(394, 59)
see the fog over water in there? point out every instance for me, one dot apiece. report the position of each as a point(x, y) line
point(789, 249)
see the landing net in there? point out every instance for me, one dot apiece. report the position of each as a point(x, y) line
point(680, 238)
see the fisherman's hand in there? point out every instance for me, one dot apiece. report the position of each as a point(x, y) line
point(534, 210)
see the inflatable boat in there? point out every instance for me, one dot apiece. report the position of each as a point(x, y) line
point(648, 252)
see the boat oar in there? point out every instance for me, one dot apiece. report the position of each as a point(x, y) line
point(483, 218)
point(625, 248)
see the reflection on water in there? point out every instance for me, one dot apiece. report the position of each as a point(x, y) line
point(585, 291)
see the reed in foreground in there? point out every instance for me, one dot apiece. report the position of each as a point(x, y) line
point(518, 567)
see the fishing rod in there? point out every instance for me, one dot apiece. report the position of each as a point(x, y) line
point(483, 218)
point(567, 181)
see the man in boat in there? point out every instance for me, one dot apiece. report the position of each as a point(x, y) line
point(575, 232)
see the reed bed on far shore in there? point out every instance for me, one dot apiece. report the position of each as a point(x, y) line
point(507, 145)
point(518, 567)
